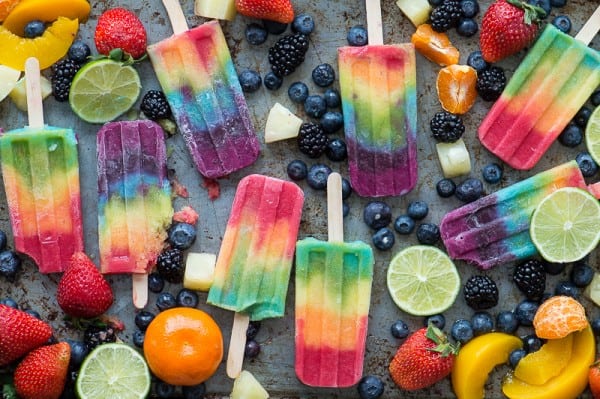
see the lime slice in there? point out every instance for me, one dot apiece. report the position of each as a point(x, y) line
point(564, 226)
point(113, 371)
point(104, 89)
point(592, 135)
point(422, 280)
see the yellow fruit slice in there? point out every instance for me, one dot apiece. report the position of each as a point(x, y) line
point(48, 48)
point(46, 11)
point(538, 367)
point(6, 6)
point(476, 360)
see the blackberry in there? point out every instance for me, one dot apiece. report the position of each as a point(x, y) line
point(445, 16)
point(446, 127)
point(63, 73)
point(312, 139)
point(170, 266)
point(490, 83)
point(530, 278)
point(481, 292)
point(97, 335)
point(288, 53)
point(155, 106)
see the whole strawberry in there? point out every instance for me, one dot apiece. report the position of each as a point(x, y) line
point(19, 334)
point(43, 372)
point(273, 10)
point(507, 27)
point(594, 379)
point(120, 28)
point(82, 291)
point(425, 358)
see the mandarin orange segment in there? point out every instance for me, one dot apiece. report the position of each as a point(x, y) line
point(6, 6)
point(559, 316)
point(435, 46)
point(456, 88)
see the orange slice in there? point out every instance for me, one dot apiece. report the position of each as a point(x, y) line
point(6, 6)
point(559, 316)
point(435, 46)
point(456, 88)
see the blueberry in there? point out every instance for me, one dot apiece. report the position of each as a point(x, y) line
point(558, 3)
point(531, 343)
point(253, 329)
point(469, 8)
point(138, 338)
point(345, 209)
point(428, 233)
point(187, 298)
point(165, 300)
point(315, 106)
point(274, 27)
point(595, 98)
point(566, 288)
point(475, 60)
point(298, 92)
point(506, 322)
point(445, 188)
point(250, 81)
point(164, 390)
point(563, 23)
point(155, 283)
point(399, 329)
point(182, 235)
point(586, 163)
point(252, 349)
point(377, 214)
point(437, 320)
point(582, 116)
point(581, 274)
point(553, 269)
point(595, 324)
point(323, 75)
point(467, 27)
point(336, 150)
point(304, 24)
point(194, 391)
point(79, 51)
point(384, 239)
point(417, 210)
point(332, 98)
point(469, 190)
point(346, 188)
point(10, 264)
point(358, 36)
point(143, 319)
point(297, 170)
point(9, 302)
point(272, 81)
point(492, 173)
point(79, 351)
point(34, 29)
point(543, 4)
point(482, 323)
point(462, 331)
point(571, 136)
point(256, 34)
point(332, 121)
point(370, 387)
point(404, 224)
point(317, 176)
point(525, 311)
point(33, 313)
point(515, 357)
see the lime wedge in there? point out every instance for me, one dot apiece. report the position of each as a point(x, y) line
point(564, 226)
point(113, 371)
point(592, 135)
point(104, 89)
point(422, 280)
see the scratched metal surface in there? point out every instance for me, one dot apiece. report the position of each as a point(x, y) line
point(274, 367)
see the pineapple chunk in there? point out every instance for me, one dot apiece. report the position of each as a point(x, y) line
point(8, 80)
point(592, 291)
point(199, 271)
point(246, 387)
point(218, 9)
point(415, 10)
point(454, 158)
point(281, 124)
point(19, 93)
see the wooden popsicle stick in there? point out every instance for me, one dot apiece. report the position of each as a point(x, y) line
point(139, 289)
point(237, 344)
point(35, 110)
point(335, 216)
point(176, 16)
point(590, 29)
point(374, 22)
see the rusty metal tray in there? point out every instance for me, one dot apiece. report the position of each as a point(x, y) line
point(274, 367)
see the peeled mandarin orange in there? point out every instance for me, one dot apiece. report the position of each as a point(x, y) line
point(456, 88)
point(183, 346)
point(435, 46)
point(559, 316)
point(6, 6)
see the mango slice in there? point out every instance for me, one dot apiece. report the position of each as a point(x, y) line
point(46, 11)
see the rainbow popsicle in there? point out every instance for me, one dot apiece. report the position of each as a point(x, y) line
point(495, 229)
point(134, 196)
point(195, 70)
point(549, 87)
point(333, 293)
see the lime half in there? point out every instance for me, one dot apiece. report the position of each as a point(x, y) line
point(104, 89)
point(113, 371)
point(592, 135)
point(564, 226)
point(422, 280)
